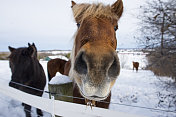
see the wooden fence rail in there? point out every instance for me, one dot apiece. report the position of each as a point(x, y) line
point(60, 108)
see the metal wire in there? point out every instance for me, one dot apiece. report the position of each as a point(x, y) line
point(139, 107)
point(61, 95)
point(26, 86)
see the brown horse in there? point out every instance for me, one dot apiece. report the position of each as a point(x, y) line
point(94, 61)
point(135, 65)
point(54, 66)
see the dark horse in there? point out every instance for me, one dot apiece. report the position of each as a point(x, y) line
point(135, 65)
point(94, 64)
point(54, 66)
point(27, 71)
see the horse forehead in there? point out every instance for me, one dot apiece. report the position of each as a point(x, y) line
point(97, 23)
point(18, 54)
point(95, 29)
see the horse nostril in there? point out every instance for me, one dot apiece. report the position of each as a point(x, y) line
point(80, 64)
point(114, 68)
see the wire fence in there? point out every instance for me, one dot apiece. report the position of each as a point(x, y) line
point(114, 103)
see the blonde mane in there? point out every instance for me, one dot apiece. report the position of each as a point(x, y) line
point(81, 11)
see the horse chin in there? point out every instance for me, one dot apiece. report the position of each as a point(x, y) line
point(94, 97)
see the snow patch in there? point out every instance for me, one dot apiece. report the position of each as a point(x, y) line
point(59, 56)
point(62, 79)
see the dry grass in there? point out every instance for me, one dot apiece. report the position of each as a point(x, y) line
point(41, 55)
point(162, 65)
point(4, 55)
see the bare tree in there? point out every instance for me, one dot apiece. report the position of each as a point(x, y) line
point(158, 24)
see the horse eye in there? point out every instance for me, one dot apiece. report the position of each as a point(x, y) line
point(115, 27)
point(78, 25)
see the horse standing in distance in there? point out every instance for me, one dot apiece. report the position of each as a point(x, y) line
point(135, 65)
point(94, 64)
point(27, 70)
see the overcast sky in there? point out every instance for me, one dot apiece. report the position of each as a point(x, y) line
point(50, 24)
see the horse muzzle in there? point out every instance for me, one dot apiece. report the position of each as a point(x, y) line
point(95, 72)
point(96, 93)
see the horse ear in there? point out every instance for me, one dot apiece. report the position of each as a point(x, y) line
point(29, 44)
point(73, 3)
point(11, 48)
point(33, 44)
point(30, 50)
point(117, 8)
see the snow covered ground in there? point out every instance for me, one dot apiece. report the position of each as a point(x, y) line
point(57, 51)
point(142, 89)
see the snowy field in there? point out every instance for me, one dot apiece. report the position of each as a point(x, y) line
point(56, 52)
point(137, 89)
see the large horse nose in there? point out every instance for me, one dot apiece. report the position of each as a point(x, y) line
point(96, 72)
point(97, 63)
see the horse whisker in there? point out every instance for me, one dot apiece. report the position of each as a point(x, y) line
point(90, 103)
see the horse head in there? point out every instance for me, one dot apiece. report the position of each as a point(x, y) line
point(20, 61)
point(94, 61)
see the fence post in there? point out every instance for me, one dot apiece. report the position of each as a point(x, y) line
point(52, 98)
